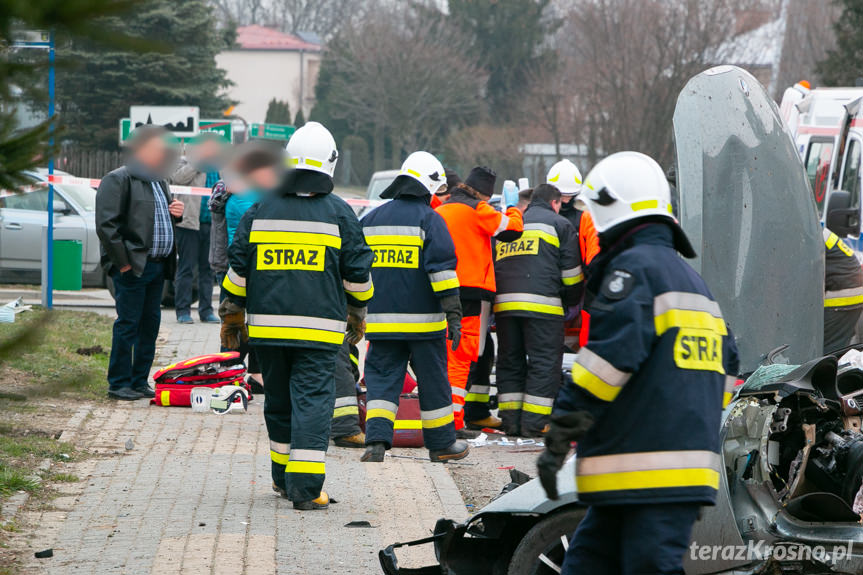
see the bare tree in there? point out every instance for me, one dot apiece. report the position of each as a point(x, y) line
point(634, 57)
point(405, 78)
point(809, 35)
point(322, 17)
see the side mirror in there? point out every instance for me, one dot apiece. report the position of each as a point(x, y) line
point(842, 219)
point(61, 208)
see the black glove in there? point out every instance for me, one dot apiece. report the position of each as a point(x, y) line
point(562, 431)
point(452, 308)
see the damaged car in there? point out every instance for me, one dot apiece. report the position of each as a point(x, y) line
point(791, 485)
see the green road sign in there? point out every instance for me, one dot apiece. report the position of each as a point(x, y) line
point(271, 132)
point(221, 127)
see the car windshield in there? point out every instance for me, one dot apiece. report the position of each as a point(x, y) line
point(378, 185)
point(84, 196)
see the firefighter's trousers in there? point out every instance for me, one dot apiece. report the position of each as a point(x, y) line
point(476, 402)
point(632, 539)
point(298, 409)
point(346, 415)
point(839, 327)
point(385, 369)
point(458, 364)
point(529, 356)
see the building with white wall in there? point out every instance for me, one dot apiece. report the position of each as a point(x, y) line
point(267, 64)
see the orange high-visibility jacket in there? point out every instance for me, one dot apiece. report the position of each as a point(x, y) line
point(588, 238)
point(472, 223)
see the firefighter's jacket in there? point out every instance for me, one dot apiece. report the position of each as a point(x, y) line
point(658, 368)
point(539, 273)
point(843, 276)
point(414, 266)
point(472, 223)
point(298, 258)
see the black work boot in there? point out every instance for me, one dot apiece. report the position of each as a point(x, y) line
point(374, 452)
point(458, 450)
point(322, 502)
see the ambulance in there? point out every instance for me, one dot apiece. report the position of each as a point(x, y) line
point(827, 127)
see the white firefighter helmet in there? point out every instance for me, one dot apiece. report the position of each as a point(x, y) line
point(566, 177)
point(312, 147)
point(426, 169)
point(626, 186)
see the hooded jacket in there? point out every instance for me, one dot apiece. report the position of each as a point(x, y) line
point(188, 175)
point(297, 259)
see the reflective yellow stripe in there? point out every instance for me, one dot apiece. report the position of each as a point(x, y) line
point(363, 295)
point(541, 235)
point(533, 408)
point(414, 173)
point(831, 241)
point(843, 301)
point(445, 284)
point(645, 205)
point(280, 458)
point(347, 410)
point(528, 306)
point(478, 397)
point(355, 359)
point(394, 240)
point(726, 399)
point(315, 163)
point(307, 238)
point(652, 479)
point(361, 291)
point(593, 384)
point(378, 412)
point(408, 424)
point(509, 405)
point(419, 327)
point(232, 287)
point(165, 397)
point(296, 333)
point(437, 421)
point(685, 318)
point(573, 280)
point(316, 467)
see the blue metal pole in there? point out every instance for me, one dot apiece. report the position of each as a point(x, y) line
point(49, 288)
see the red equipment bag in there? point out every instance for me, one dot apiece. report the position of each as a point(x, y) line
point(408, 426)
point(174, 383)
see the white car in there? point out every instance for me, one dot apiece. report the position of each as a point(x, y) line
point(22, 217)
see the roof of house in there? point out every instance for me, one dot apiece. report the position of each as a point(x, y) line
point(262, 38)
point(757, 47)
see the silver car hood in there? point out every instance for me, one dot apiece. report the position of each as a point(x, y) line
point(746, 206)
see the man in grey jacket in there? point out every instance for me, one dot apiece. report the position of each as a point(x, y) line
point(199, 169)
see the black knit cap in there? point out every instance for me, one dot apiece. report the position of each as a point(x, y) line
point(482, 180)
point(452, 179)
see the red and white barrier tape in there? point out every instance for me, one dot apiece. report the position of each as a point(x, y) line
point(184, 190)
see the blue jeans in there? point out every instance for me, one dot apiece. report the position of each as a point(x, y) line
point(138, 301)
point(193, 248)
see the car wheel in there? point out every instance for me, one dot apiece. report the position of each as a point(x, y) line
point(542, 549)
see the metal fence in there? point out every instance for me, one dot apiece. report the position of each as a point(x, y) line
point(88, 163)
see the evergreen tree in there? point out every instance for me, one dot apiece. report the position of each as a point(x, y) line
point(278, 112)
point(509, 39)
point(300, 119)
point(24, 148)
point(182, 72)
point(843, 66)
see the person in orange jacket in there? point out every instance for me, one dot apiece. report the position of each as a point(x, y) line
point(472, 223)
point(567, 178)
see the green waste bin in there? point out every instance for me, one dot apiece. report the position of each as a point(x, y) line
point(68, 267)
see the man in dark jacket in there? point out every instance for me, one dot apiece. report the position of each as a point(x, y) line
point(658, 347)
point(843, 292)
point(302, 255)
point(537, 277)
point(135, 222)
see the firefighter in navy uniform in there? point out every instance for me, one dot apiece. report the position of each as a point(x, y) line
point(843, 293)
point(537, 275)
point(647, 392)
point(417, 304)
point(299, 266)
point(346, 430)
